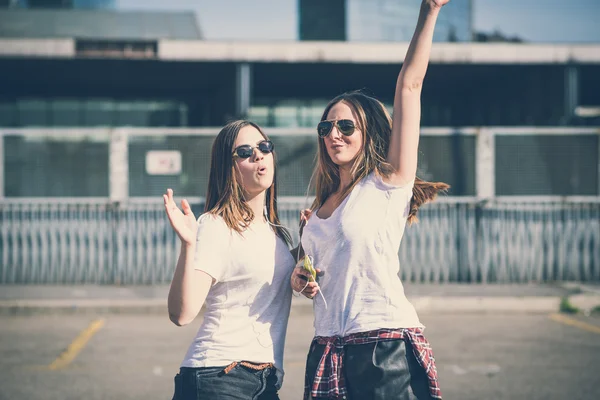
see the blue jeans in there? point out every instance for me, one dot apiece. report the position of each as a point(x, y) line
point(212, 383)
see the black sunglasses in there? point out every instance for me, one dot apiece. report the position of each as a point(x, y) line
point(246, 151)
point(345, 126)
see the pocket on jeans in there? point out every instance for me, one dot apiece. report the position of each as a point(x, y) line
point(390, 355)
point(178, 390)
point(208, 371)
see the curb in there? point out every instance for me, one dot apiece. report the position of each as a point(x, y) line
point(515, 305)
point(585, 302)
point(82, 306)
point(584, 298)
point(577, 288)
point(423, 304)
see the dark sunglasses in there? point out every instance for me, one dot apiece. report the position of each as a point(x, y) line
point(345, 126)
point(246, 151)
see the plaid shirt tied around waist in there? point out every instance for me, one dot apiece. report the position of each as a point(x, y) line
point(329, 379)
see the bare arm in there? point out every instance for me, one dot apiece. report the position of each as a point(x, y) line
point(404, 143)
point(189, 286)
point(188, 290)
point(300, 277)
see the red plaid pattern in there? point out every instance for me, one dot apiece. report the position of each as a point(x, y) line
point(329, 377)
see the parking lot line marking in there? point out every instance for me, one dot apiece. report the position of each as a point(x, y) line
point(563, 319)
point(67, 356)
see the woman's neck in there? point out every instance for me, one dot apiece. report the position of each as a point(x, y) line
point(257, 203)
point(345, 179)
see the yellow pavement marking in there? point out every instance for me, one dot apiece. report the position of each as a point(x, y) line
point(67, 356)
point(563, 319)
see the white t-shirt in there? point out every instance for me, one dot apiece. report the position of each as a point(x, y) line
point(357, 248)
point(248, 306)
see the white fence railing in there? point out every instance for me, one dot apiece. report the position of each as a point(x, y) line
point(118, 238)
point(457, 239)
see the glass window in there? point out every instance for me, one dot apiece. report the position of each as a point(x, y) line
point(65, 112)
point(195, 164)
point(8, 114)
point(449, 159)
point(311, 113)
point(93, 112)
point(295, 162)
point(98, 112)
point(286, 114)
point(546, 165)
point(166, 113)
point(131, 114)
point(259, 115)
point(32, 112)
point(392, 20)
point(53, 166)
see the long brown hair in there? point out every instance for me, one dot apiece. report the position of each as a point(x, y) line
point(225, 195)
point(375, 122)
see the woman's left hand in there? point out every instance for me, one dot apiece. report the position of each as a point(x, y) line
point(301, 281)
point(436, 3)
point(305, 215)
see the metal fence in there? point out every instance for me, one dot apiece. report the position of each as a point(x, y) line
point(456, 240)
point(80, 205)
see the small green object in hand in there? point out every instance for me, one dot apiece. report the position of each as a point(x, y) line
point(308, 265)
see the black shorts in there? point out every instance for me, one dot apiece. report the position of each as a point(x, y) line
point(381, 370)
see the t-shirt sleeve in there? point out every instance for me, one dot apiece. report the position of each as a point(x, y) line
point(399, 195)
point(212, 239)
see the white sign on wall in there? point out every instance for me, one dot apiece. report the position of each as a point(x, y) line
point(163, 162)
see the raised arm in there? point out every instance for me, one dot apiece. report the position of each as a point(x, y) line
point(404, 143)
point(189, 286)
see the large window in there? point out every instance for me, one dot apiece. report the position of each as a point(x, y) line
point(192, 180)
point(547, 165)
point(69, 112)
point(53, 165)
point(394, 21)
point(287, 113)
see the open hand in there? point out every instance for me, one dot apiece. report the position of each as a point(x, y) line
point(183, 222)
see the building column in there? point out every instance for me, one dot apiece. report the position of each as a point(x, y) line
point(243, 89)
point(571, 99)
point(1, 167)
point(118, 166)
point(485, 165)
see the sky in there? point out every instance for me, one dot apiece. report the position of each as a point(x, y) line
point(543, 21)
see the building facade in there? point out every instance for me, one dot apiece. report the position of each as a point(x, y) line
point(526, 94)
point(60, 4)
point(322, 20)
point(379, 20)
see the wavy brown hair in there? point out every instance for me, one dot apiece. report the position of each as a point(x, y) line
point(225, 195)
point(375, 122)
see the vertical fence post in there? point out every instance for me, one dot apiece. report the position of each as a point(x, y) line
point(485, 163)
point(2, 169)
point(3, 245)
point(598, 162)
point(485, 189)
point(118, 167)
point(118, 161)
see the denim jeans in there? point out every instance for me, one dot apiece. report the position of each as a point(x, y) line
point(212, 383)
